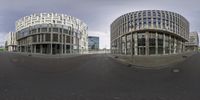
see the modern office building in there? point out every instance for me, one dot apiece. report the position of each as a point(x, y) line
point(193, 43)
point(51, 33)
point(149, 32)
point(11, 43)
point(93, 43)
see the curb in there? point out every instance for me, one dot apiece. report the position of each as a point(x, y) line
point(117, 58)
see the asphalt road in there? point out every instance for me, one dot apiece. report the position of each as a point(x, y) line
point(94, 77)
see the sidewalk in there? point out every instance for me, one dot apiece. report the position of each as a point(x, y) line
point(152, 61)
point(48, 56)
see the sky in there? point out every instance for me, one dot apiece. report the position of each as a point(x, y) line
point(97, 14)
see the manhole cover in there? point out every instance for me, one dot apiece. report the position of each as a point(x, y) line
point(175, 70)
point(129, 65)
point(15, 60)
point(116, 56)
point(116, 98)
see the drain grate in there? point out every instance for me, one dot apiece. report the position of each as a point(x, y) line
point(175, 70)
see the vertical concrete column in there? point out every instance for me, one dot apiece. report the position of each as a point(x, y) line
point(71, 44)
point(20, 49)
point(51, 48)
point(41, 38)
point(62, 42)
point(34, 48)
point(180, 47)
point(31, 48)
point(146, 43)
point(120, 45)
point(170, 38)
point(58, 37)
point(175, 44)
point(163, 43)
point(156, 43)
point(37, 38)
point(132, 44)
point(136, 43)
point(41, 48)
point(24, 48)
point(44, 38)
point(125, 44)
point(184, 47)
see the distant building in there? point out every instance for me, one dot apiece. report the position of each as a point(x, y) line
point(193, 43)
point(11, 43)
point(93, 43)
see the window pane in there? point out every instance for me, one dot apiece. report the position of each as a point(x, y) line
point(141, 39)
point(48, 37)
point(65, 31)
point(44, 29)
point(35, 38)
point(68, 39)
point(55, 29)
point(55, 37)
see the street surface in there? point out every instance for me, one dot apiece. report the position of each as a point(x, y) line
point(94, 77)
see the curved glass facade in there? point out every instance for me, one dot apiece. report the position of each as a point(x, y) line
point(149, 32)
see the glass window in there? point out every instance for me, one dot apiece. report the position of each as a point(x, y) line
point(152, 50)
point(152, 39)
point(67, 39)
point(65, 31)
point(128, 44)
point(38, 30)
point(55, 29)
point(154, 20)
point(42, 37)
point(60, 37)
point(152, 43)
point(141, 50)
point(178, 46)
point(38, 38)
point(55, 37)
point(44, 29)
point(149, 19)
point(167, 44)
point(34, 31)
point(149, 13)
point(160, 50)
point(123, 45)
point(70, 32)
point(160, 39)
point(141, 39)
point(154, 13)
point(49, 29)
point(60, 30)
point(172, 44)
point(141, 43)
point(35, 38)
point(154, 25)
point(63, 38)
point(48, 37)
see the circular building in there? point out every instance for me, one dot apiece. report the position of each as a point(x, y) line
point(51, 33)
point(149, 32)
